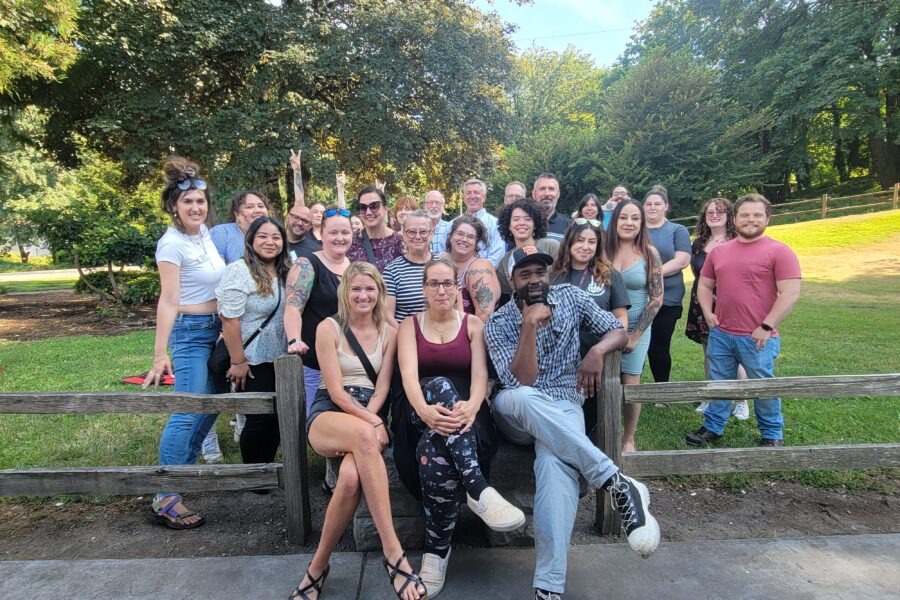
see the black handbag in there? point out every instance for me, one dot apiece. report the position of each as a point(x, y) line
point(220, 361)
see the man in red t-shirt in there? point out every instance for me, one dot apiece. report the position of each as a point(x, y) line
point(756, 282)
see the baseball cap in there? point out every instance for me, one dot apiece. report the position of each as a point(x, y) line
point(528, 254)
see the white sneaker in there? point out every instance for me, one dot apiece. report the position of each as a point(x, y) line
point(702, 407)
point(434, 572)
point(495, 511)
point(212, 454)
point(741, 410)
point(238, 424)
point(632, 499)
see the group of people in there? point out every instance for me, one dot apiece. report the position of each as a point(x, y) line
point(450, 334)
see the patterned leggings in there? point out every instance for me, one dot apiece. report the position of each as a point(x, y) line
point(444, 464)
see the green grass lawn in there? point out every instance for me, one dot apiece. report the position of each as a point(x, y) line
point(848, 326)
point(11, 263)
point(38, 285)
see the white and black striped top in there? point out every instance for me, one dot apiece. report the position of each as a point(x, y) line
point(403, 280)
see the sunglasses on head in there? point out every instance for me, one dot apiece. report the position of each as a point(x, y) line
point(591, 222)
point(186, 184)
point(337, 211)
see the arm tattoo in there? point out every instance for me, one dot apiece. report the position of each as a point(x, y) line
point(299, 283)
point(654, 294)
point(482, 293)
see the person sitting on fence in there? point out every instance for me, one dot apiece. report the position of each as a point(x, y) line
point(756, 282)
point(356, 354)
point(186, 320)
point(715, 225)
point(251, 306)
point(442, 438)
point(533, 342)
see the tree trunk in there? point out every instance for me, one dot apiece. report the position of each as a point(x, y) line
point(81, 275)
point(840, 157)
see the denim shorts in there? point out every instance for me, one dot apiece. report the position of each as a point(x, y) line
point(322, 402)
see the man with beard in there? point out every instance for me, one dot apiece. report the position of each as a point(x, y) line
point(533, 342)
point(301, 242)
point(434, 206)
point(546, 193)
point(756, 282)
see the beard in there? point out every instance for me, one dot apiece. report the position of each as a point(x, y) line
point(533, 293)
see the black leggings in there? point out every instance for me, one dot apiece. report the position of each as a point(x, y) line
point(661, 341)
point(260, 437)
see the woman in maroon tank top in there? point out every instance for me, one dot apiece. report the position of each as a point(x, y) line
point(444, 429)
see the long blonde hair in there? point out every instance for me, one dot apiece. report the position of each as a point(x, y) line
point(379, 312)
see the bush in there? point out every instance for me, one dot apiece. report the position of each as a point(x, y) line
point(135, 287)
point(100, 280)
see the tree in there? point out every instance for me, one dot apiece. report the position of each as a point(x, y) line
point(36, 40)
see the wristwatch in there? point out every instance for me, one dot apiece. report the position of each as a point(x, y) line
point(766, 327)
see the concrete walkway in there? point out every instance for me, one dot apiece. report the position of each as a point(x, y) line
point(858, 567)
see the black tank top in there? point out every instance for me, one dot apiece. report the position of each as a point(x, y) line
point(322, 303)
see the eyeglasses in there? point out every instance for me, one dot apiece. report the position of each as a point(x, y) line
point(186, 184)
point(591, 222)
point(433, 284)
point(371, 207)
point(620, 194)
point(414, 233)
point(337, 211)
point(294, 217)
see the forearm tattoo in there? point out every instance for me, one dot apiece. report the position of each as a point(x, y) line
point(654, 294)
point(299, 283)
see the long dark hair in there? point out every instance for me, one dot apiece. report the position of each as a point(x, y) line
point(642, 241)
point(584, 202)
point(532, 210)
point(598, 265)
point(256, 266)
point(703, 232)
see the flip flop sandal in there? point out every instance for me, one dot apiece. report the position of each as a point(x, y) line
point(160, 514)
point(411, 578)
point(314, 585)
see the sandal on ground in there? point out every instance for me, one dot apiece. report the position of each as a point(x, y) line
point(162, 512)
point(411, 578)
point(315, 585)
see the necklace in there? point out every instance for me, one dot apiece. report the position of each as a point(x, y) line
point(441, 332)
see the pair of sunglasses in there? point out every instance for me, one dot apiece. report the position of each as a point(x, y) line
point(337, 211)
point(187, 184)
point(591, 222)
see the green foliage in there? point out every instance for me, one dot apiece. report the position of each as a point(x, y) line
point(134, 287)
point(144, 289)
point(36, 40)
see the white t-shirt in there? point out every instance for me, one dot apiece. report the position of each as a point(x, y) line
point(199, 262)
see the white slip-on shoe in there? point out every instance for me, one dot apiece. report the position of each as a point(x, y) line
point(495, 511)
point(434, 572)
point(741, 410)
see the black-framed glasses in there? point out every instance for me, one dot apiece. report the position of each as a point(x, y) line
point(434, 284)
point(591, 222)
point(294, 217)
point(337, 211)
point(186, 184)
point(370, 207)
point(414, 233)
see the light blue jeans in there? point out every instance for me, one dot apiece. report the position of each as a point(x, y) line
point(526, 415)
point(190, 343)
point(725, 352)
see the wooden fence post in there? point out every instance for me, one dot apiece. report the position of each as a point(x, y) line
point(896, 195)
point(824, 205)
point(609, 425)
point(290, 402)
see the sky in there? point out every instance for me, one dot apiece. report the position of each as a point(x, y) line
point(600, 28)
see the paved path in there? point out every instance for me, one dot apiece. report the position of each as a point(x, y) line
point(840, 567)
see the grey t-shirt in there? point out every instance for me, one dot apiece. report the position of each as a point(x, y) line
point(669, 239)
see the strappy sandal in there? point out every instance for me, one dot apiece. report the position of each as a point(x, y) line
point(161, 512)
point(411, 578)
point(314, 585)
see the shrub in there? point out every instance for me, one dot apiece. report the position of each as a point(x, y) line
point(144, 289)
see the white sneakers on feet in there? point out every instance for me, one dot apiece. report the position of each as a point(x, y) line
point(212, 454)
point(631, 499)
point(434, 572)
point(495, 511)
point(741, 410)
point(702, 406)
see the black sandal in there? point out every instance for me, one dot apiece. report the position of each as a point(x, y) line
point(314, 584)
point(411, 578)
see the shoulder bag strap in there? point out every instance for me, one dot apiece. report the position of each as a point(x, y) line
point(357, 348)
point(367, 244)
point(266, 322)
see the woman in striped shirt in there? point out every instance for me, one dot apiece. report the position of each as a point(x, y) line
point(403, 275)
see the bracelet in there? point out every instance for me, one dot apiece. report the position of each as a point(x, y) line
point(239, 363)
point(293, 341)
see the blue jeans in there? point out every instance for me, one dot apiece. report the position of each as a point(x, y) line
point(725, 352)
point(191, 342)
point(562, 451)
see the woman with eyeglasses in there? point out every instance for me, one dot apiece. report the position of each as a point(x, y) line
point(715, 225)
point(403, 276)
point(580, 262)
point(190, 268)
point(521, 223)
point(673, 242)
point(251, 305)
point(628, 250)
point(312, 293)
point(444, 432)
point(377, 243)
point(479, 288)
point(344, 421)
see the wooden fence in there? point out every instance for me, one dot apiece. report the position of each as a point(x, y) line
point(824, 207)
point(290, 404)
